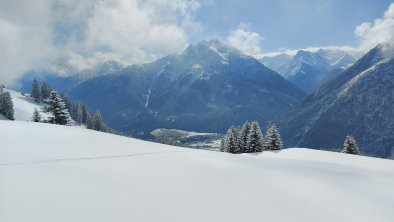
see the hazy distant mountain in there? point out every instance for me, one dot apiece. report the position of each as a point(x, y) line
point(358, 102)
point(308, 70)
point(65, 82)
point(209, 87)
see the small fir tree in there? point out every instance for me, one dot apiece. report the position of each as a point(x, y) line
point(350, 145)
point(36, 116)
point(273, 140)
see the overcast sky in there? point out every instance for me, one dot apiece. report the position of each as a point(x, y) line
point(68, 36)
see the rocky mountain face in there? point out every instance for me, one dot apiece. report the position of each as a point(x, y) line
point(360, 101)
point(207, 88)
point(309, 70)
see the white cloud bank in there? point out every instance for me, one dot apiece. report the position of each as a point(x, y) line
point(368, 34)
point(71, 35)
point(380, 31)
point(246, 41)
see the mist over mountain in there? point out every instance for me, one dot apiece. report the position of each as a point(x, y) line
point(358, 102)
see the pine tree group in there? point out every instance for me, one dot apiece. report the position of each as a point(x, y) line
point(249, 139)
point(350, 145)
point(6, 104)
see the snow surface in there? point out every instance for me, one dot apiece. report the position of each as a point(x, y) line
point(59, 173)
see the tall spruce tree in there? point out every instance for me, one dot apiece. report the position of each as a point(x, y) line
point(255, 139)
point(243, 138)
point(36, 116)
point(98, 122)
point(231, 141)
point(89, 120)
point(58, 110)
point(222, 145)
point(46, 90)
point(350, 145)
point(6, 105)
point(272, 138)
point(35, 91)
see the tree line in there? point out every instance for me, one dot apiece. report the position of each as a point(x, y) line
point(63, 110)
point(250, 139)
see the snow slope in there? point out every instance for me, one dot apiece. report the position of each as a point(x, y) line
point(24, 106)
point(57, 173)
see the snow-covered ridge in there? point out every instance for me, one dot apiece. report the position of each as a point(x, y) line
point(65, 173)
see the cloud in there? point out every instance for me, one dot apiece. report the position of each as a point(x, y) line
point(246, 41)
point(72, 35)
point(380, 31)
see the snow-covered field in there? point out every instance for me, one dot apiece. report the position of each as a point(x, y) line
point(58, 173)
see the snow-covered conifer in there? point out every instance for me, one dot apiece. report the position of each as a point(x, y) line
point(231, 142)
point(98, 122)
point(36, 116)
point(35, 91)
point(255, 139)
point(89, 120)
point(350, 145)
point(272, 138)
point(6, 105)
point(58, 110)
point(46, 90)
point(243, 138)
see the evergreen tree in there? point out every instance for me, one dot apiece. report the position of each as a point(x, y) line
point(272, 138)
point(36, 116)
point(66, 100)
point(255, 139)
point(243, 138)
point(98, 122)
point(79, 113)
point(222, 145)
point(46, 90)
point(231, 143)
point(58, 109)
point(6, 105)
point(85, 113)
point(89, 120)
point(350, 145)
point(35, 91)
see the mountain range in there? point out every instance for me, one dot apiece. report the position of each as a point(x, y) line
point(309, 70)
point(207, 88)
point(360, 101)
point(211, 86)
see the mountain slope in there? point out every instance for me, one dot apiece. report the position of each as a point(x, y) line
point(308, 70)
point(357, 102)
point(74, 174)
point(207, 88)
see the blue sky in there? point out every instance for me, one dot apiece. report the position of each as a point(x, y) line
point(292, 23)
point(71, 36)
